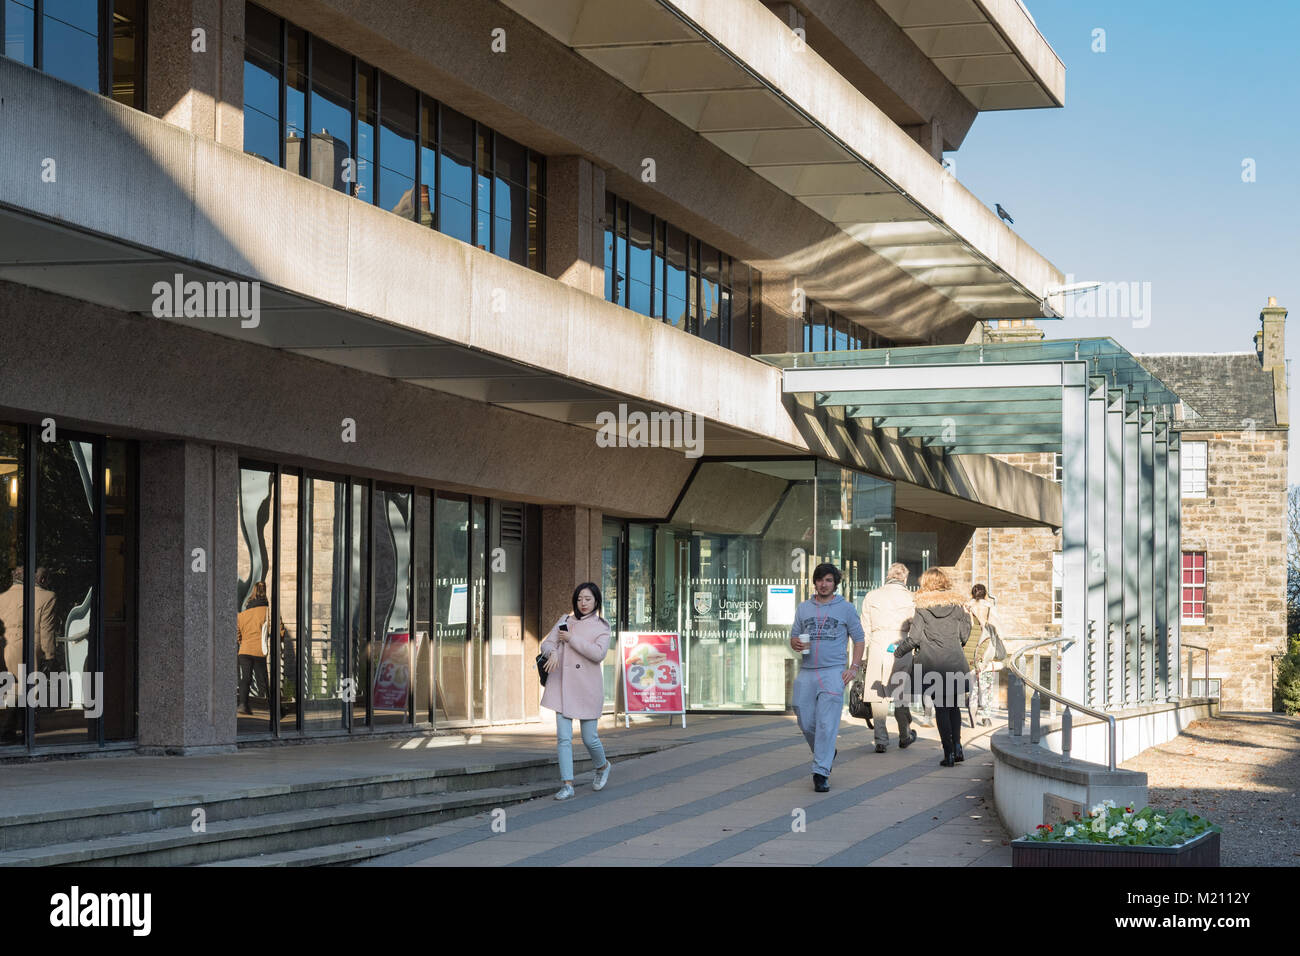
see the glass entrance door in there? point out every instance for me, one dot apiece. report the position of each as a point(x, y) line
point(506, 610)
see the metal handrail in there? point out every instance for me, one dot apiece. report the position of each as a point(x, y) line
point(1065, 718)
point(1206, 652)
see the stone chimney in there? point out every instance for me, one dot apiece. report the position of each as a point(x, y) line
point(1272, 334)
point(1270, 343)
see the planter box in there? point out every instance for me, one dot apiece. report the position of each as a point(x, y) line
point(1202, 851)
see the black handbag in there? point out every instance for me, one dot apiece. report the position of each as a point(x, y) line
point(541, 668)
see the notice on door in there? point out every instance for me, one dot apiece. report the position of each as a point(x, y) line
point(652, 673)
point(780, 605)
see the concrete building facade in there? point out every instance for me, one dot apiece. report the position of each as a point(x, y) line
point(342, 299)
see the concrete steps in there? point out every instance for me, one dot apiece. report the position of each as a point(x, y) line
point(312, 824)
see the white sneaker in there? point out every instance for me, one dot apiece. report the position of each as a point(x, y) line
point(602, 777)
point(565, 792)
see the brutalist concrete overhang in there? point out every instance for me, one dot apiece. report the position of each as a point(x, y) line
point(731, 72)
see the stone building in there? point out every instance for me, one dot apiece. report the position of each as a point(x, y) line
point(1233, 424)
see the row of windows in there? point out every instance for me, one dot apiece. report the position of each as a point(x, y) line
point(388, 603)
point(828, 331)
point(654, 268)
point(386, 143)
point(97, 45)
point(1193, 468)
point(1193, 598)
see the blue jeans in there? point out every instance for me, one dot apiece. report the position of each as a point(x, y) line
point(564, 744)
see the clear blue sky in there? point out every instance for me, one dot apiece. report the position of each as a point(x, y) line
point(1139, 177)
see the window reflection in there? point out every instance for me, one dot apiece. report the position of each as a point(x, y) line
point(331, 115)
point(455, 176)
point(70, 41)
point(397, 134)
point(20, 31)
point(255, 618)
point(473, 184)
point(639, 261)
point(288, 603)
point(451, 610)
point(358, 607)
point(364, 186)
point(325, 604)
point(13, 552)
point(391, 644)
point(63, 591)
point(295, 100)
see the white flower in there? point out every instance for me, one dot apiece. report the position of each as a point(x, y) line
point(1108, 804)
point(1069, 831)
point(1115, 831)
point(1141, 826)
point(1097, 811)
point(1160, 818)
point(1159, 825)
point(1128, 814)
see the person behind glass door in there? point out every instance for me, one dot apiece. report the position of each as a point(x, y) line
point(44, 646)
point(575, 687)
point(939, 631)
point(250, 622)
point(823, 626)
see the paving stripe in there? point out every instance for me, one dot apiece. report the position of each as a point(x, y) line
point(904, 832)
point(837, 802)
point(560, 810)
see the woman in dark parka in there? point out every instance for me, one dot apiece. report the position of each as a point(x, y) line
point(940, 629)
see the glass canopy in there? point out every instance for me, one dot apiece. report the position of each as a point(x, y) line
point(994, 398)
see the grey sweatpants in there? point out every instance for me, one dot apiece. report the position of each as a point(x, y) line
point(819, 703)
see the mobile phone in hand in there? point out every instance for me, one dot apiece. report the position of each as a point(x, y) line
point(564, 627)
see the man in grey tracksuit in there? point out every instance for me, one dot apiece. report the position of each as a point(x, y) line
point(827, 622)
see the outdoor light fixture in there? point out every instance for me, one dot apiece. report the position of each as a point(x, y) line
point(13, 492)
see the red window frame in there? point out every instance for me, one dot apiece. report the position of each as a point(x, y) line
point(1193, 587)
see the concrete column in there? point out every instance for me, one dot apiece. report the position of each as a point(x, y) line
point(575, 223)
point(780, 329)
point(929, 136)
point(200, 90)
point(570, 555)
point(188, 500)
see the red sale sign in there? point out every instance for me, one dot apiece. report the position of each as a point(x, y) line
point(652, 673)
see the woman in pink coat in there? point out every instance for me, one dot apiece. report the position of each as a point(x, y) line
point(575, 687)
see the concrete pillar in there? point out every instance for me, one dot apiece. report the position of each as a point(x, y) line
point(570, 555)
point(929, 136)
point(575, 223)
point(189, 495)
point(780, 329)
point(200, 90)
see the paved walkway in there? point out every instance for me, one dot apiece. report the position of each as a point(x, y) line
point(740, 794)
point(1241, 771)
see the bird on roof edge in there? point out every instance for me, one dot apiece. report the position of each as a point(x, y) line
point(1003, 214)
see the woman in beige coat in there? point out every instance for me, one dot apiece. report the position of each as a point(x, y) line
point(575, 687)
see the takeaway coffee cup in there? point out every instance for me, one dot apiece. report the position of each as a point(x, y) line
point(807, 643)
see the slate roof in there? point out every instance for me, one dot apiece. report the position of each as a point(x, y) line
point(1220, 391)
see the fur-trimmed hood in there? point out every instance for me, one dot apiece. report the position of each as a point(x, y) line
point(934, 600)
